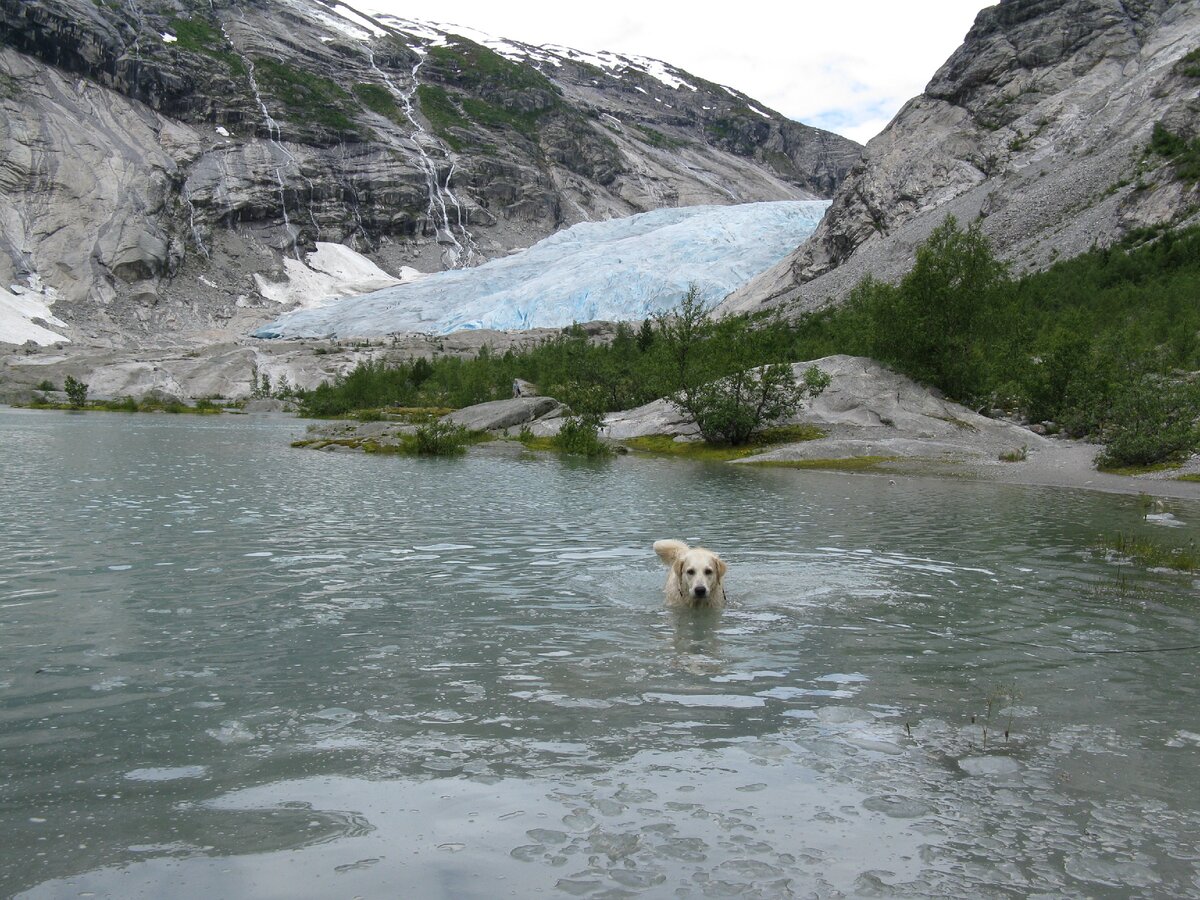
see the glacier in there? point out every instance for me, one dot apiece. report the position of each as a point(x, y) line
point(617, 270)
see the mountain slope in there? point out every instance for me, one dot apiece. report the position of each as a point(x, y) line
point(1037, 126)
point(158, 156)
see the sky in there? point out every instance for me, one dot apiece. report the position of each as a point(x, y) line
point(844, 65)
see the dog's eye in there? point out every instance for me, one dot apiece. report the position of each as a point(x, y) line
point(708, 571)
point(691, 571)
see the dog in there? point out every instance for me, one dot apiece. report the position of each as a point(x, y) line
point(696, 575)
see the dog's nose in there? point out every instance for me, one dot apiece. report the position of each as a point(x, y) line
point(700, 590)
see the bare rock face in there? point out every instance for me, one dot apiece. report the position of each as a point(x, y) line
point(1037, 126)
point(497, 415)
point(154, 158)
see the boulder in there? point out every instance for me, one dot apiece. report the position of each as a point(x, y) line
point(500, 414)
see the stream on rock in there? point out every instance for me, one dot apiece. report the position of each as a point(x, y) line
point(230, 668)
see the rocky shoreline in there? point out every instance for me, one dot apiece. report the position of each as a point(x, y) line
point(872, 420)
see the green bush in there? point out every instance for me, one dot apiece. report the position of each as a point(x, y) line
point(730, 410)
point(76, 392)
point(1152, 420)
point(46, 385)
point(442, 439)
point(580, 436)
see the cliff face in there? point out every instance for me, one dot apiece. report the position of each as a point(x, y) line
point(155, 157)
point(1037, 126)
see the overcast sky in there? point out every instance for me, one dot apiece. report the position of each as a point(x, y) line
point(844, 65)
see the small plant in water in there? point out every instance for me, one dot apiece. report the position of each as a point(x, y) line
point(1150, 553)
point(1000, 703)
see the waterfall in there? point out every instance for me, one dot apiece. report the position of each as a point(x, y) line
point(273, 137)
point(441, 197)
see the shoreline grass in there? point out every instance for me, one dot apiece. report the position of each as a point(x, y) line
point(1153, 554)
point(129, 405)
point(666, 445)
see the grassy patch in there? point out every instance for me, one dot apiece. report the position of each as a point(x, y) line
point(845, 464)
point(474, 66)
point(1150, 553)
point(1183, 154)
point(1019, 455)
point(657, 139)
point(198, 36)
point(379, 99)
point(1189, 66)
point(1192, 477)
point(129, 405)
point(540, 442)
point(666, 445)
point(493, 116)
point(305, 96)
point(432, 439)
point(442, 114)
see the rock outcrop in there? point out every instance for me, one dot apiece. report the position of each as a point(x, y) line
point(501, 415)
point(155, 158)
point(1037, 127)
point(868, 410)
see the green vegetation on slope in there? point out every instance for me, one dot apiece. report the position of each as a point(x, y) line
point(379, 99)
point(198, 36)
point(306, 97)
point(1183, 154)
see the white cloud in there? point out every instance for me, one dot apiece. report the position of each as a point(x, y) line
point(853, 63)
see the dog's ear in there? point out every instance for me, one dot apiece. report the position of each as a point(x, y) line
point(721, 568)
point(669, 551)
point(678, 566)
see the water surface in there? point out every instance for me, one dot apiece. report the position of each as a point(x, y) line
point(230, 668)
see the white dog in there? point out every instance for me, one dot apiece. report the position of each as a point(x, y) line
point(696, 574)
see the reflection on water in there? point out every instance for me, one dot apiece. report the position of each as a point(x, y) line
point(229, 668)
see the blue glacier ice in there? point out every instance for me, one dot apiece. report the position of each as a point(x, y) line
point(618, 270)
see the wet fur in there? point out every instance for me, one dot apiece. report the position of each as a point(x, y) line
point(690, 569)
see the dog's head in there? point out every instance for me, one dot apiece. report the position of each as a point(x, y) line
point(699, 572)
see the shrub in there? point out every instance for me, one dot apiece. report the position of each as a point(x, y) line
point(442, 439)
point(713, 374)
point(932, 325)
point(46, 385)
point(1152, 421)
point(580, 435)
point(76, 392)
point(729, 410)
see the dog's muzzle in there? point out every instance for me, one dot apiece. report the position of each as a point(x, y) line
point(700, 590)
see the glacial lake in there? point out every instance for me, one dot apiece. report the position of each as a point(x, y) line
point(233, 669)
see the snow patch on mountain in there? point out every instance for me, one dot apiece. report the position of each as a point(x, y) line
point(620, 270)
point(329, 272)
point(25, 314)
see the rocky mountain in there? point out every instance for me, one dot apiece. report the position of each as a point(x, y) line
point(156, 156)
point(1039, 127)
